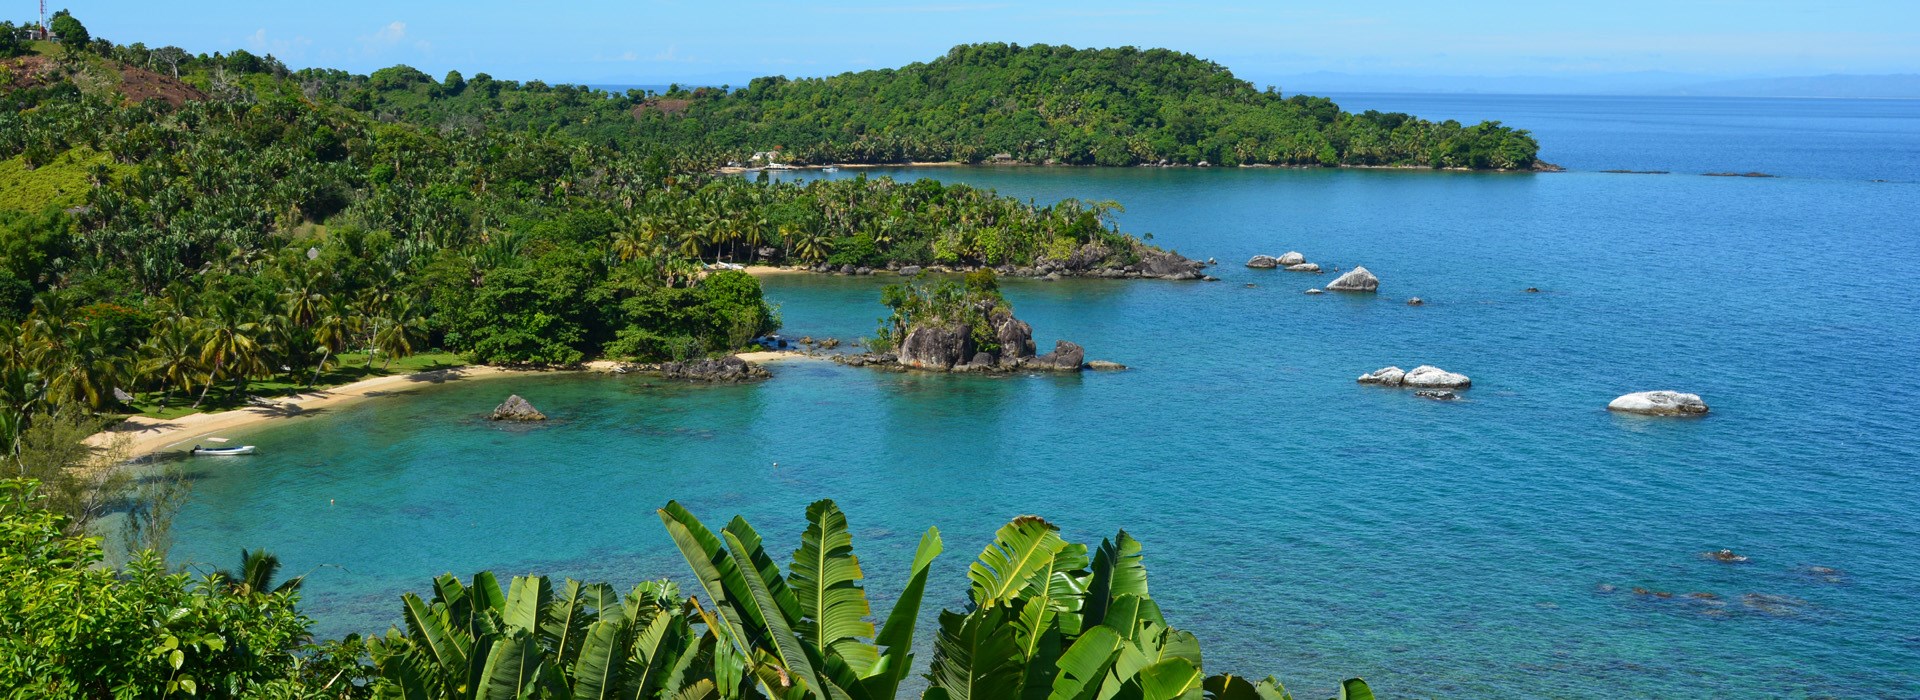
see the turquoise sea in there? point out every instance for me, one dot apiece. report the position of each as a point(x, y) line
point(1302, 524)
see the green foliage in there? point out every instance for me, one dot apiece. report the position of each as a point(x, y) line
point(54, 182)
point(1037, 103)
point(975, 302)
point(72, 33)
point(71, 628)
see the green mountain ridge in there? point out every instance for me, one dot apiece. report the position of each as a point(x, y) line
point(1036, 104)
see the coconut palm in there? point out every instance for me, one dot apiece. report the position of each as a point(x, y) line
point(255, 577)
point(171, 357)
point(332, 331)
point(227, 346)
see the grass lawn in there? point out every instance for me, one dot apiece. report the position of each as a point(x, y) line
point(346, 368)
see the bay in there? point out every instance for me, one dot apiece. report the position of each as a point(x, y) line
point(1299, 523)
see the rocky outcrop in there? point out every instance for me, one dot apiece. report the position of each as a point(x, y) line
point(1659, 403)
point(1437, 395)
point(1105, 366)
point(1416, 301)
point(1422, 377)
point(1304, 267)
point(516, 409)
point(1431, 377)
point(1292, 257)
point(1385, 376)
point(1172, 266)
point(1263, 262)
point(1065, 355)
point(936, 346)
point(909, 270)
point(1356, 280)
point(1014, 335)
point(726, 370)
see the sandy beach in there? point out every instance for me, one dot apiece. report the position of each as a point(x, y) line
point(771, 271)
point(145, 436)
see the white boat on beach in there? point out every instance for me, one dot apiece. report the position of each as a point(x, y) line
point(223, 451)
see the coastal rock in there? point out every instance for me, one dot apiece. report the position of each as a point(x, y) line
point(1431, 377)
point(1659, 403)
point(863, 270)
point(936, 346)
point(847, 269)
point(729, 369)
point(1385, 376)
point(1724, 556)
point(1437, 395)
point(1315, 291)
point(1263, 262)
point(1356, 280)
point(1167, 265)
point(909, 270)
point(1014, 335)
point(1105, 366)
point(1304, 267)
point(1292, 257)
point(1066, 355)
point(516, 409)
point(1416, 301)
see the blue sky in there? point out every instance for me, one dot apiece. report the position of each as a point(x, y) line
point(718, 41)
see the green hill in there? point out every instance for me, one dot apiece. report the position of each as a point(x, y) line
point(1036, 104)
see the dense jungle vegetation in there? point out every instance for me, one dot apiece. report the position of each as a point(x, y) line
point(1035, 104)
point(241, 230)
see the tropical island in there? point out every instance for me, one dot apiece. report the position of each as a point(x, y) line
point(980, 103)
point(183, 233)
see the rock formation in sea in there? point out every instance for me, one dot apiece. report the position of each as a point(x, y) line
point(1385, 376)
point(1422, 377)
point(1263, 262)
point(1291, 258)
point(516, 409)
point(1304, 267)
point(1431, 377)
point(1659, 403)
point(1105, 366)
point(946, 326)
point(1416, 301)
point(1356, 280)
point(726, 370)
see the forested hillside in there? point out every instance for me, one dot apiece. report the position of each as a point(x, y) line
point(173, 241)
point(1036, 104)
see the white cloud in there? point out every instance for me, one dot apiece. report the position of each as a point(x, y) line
point(390, 34)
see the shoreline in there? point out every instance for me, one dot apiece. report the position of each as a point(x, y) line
point(146, 436)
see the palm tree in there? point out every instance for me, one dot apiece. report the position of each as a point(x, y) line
point(397, 332)
point(171, 356)
point(331, 333)
point(227, 346)
point(257, 569)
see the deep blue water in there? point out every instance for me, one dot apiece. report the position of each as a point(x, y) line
point(1301, 524)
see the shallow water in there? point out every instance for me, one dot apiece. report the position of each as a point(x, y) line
point(1301, 524)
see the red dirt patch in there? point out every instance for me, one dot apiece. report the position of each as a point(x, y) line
point(140, 85)
point(136, 84)
point(669, 107)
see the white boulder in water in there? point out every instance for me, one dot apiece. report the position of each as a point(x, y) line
point(1292, 257)
point(1431, 377)
point(1385, 376)
point(1356, 280)
point(1304, 267)
point(1659, 403)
